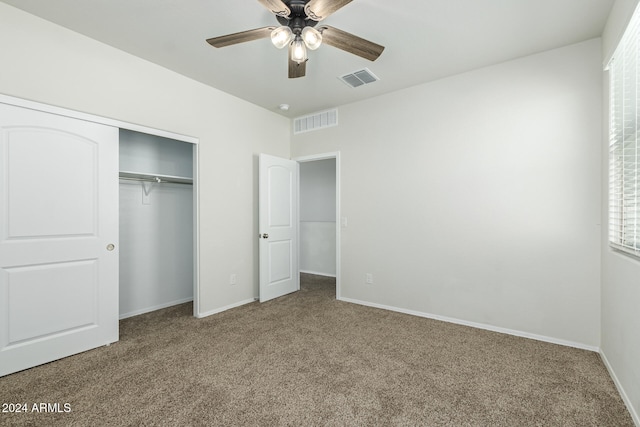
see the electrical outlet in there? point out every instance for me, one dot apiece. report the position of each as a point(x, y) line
point(233, 279)
point(368, 279)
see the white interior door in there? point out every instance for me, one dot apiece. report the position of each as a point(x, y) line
point(278, 227)
point(58, 237)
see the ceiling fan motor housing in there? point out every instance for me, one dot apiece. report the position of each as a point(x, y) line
point(298, 19)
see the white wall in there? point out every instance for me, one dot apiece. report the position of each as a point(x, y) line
point(156, 247)
point(477, 197)
point(151, 154)
point(620, 345)
point(49, 64)
point(318, 217)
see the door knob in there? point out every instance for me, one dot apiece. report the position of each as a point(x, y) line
point(111, 247)
point(265, 236)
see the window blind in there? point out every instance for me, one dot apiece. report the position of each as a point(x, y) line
point(624, 142)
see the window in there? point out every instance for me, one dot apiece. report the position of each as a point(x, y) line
point(624, 142)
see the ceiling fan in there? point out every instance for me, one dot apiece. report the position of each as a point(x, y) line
point(298, 19)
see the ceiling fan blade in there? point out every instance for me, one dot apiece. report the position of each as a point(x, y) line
point(350, 43)
point(277, 7)
point(295, 69)
point(241, 37)
point(320, 9)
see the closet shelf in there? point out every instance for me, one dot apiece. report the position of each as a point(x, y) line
point(137, 176)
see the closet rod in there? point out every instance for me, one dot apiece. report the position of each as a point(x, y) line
point(156, 180)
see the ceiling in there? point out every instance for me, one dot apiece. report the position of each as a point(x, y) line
point(425, 40)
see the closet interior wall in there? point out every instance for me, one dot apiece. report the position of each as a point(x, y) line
point(156, 223)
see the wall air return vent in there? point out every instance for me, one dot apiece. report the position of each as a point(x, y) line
point(321, 120)
point(359, 78)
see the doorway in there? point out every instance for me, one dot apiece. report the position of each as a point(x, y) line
point(319, 216)
point(156, 222)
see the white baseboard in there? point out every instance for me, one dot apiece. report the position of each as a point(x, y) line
point(317, 273)
point(225, 308)
point(623, 394)
point(154, 308)
point(475, 325)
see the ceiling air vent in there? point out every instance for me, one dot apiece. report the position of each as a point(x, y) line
point(359, 78)
point(321, 120)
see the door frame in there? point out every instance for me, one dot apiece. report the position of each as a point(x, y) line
point(19, 102)
point(312, 158)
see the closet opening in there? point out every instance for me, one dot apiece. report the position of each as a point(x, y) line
point(157, 222)
point(319, 210)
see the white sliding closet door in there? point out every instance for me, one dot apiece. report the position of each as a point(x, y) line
point(58, 237)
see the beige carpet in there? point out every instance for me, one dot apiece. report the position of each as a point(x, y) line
point(307, 359)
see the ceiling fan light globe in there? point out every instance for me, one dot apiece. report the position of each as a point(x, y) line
point(281, 36)
point(299, 51)
point(312, 37)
